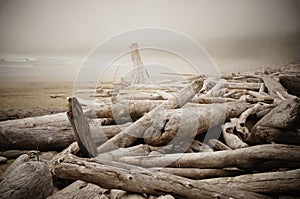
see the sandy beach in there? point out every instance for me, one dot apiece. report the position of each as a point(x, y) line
point(25, 99)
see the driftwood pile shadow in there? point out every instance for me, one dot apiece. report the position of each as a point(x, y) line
point(234, 136)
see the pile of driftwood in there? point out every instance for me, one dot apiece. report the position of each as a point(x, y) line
point(234, 137)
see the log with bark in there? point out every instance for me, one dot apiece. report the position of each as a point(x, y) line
point(29, 180)
point(112, 175)
point(269, 155)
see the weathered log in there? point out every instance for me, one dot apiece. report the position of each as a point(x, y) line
point(137, 129)
point(210, 100)
point(231, 85)
point(232, 140)
point(217, 145)
point(3, 159)
point(139, 96)
point(101, 134)
point(285, 116)
point(197, 146)
point(112, 175)
point(81, 129)
point(245, 158)
point(115, 155)
point(268, 135)
point(197, 174)
point(20, 160)
point(291, 83)
point(259, 94)
point(11, 154)
point(283, 182)
point(186, 123)
point(125, 108)
point(120, 194)
point(275, 89)
point(49, 132)
point(79, 189)
point(29, 180)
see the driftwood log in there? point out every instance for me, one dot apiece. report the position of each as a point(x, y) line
point(291, 83)
point(81, 129)
point(218, 145)
point(246, 158)
point(197, 174)
point(11, 154)
point(20, 160)
point(115, 155)
point(79, 189)
point(186, 123)
point(285, 116)
point(112, 175)
point(136, 130)
point(29, 180)
point(275, 89)
point(283, 182)
point(121, 109)
point(49, 132)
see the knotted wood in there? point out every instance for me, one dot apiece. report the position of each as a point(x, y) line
point(112, 175)
point(136, 130)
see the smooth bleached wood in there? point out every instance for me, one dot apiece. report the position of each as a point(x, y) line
point(282, 182)
point(29, 180)
point(246, 158)
point(112, 175)
point(127, 137)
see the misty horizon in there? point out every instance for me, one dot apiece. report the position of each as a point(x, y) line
point(50, 40)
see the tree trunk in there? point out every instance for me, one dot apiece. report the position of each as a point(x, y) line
point(284, 182)
point(198, 174)
point(125, 108)
point(136, 130)
point(285, 116)
point(291, 83)
point(245, 158)
point(20, 160)
point(218, 145)
point(275, 89)
point(29, 180)
point(49, 132)
point(112, 175)
point(79, 189)
point(184, 124)
point(12, 154)
point(269, 135)
point(115, 155)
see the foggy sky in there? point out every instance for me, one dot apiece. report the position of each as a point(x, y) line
point(76, 26)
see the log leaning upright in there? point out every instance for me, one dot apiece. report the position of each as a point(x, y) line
point(81, 128)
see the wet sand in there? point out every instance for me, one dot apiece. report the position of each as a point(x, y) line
point(25, 99)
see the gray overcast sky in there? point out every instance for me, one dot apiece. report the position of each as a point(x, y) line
point(76, 26)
